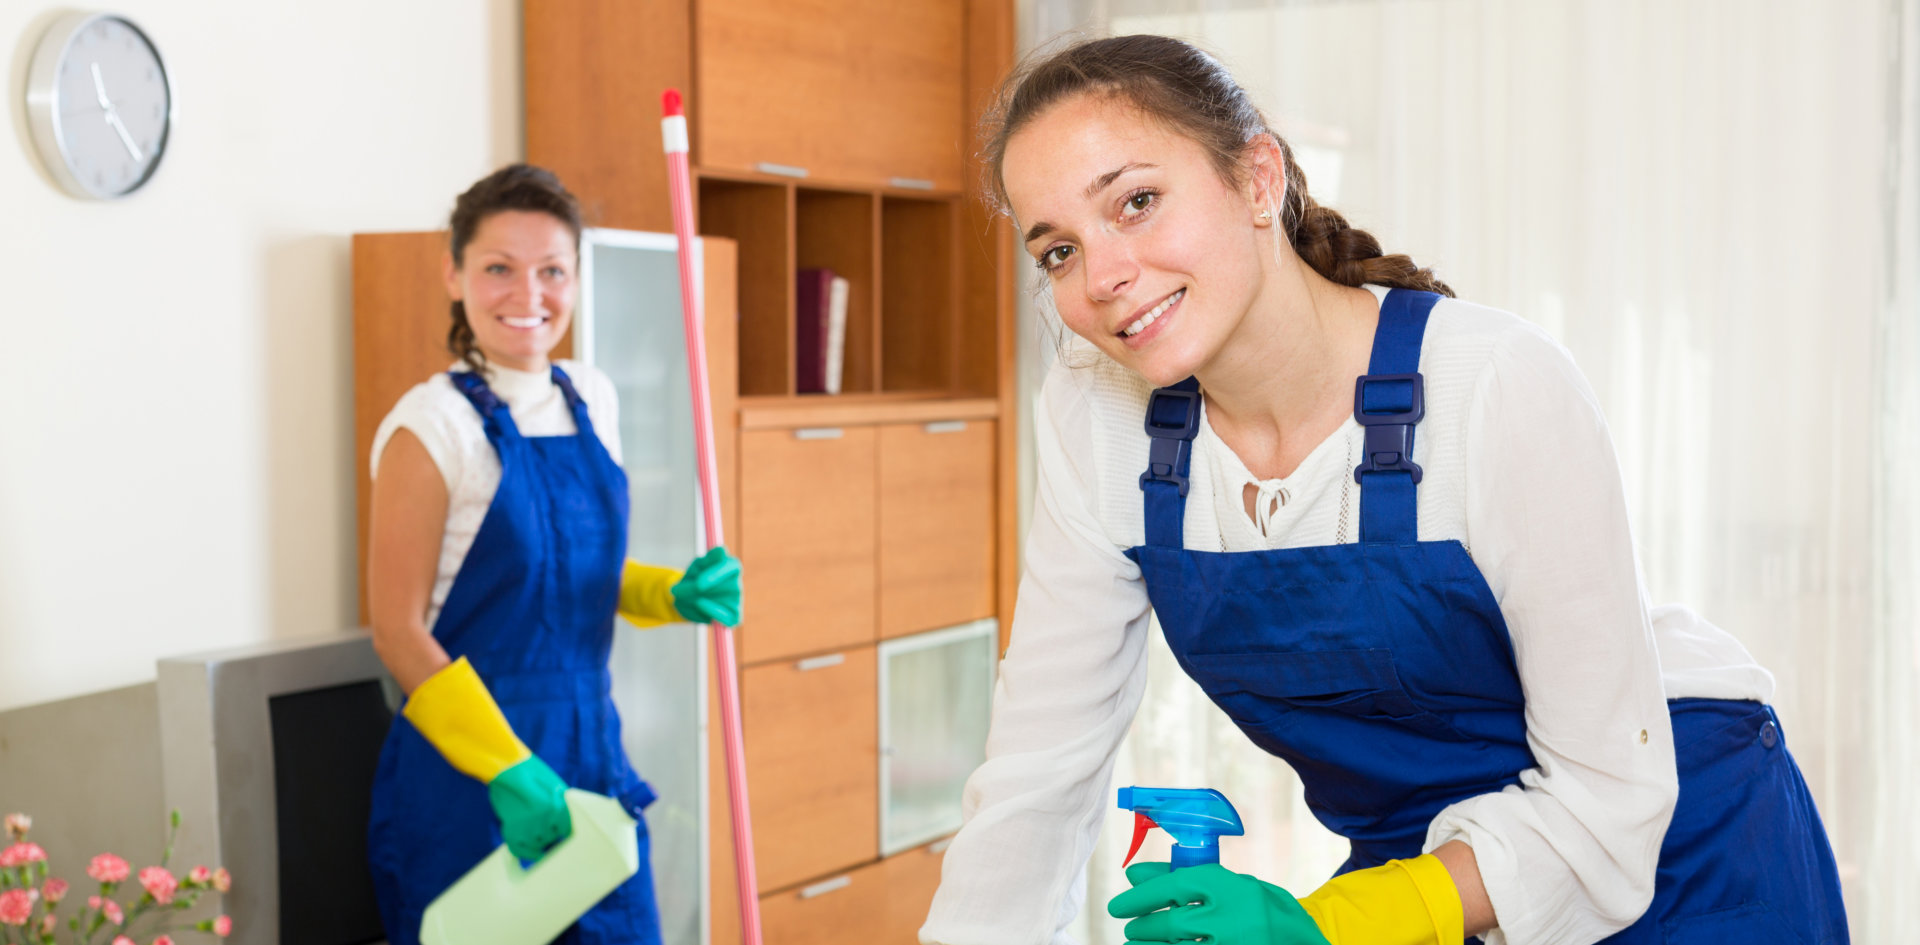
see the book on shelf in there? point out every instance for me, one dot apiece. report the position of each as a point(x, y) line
point(837, 332)
point(820, 331)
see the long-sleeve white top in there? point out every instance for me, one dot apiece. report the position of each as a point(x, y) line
point(455, 437)
point(1520, 469)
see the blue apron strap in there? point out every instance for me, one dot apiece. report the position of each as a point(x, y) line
point(494, 414)
point(1388, 401)
point(1173, 417)
point(583, 423)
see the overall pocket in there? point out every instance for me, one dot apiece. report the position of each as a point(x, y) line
point(1752, 923)
point(1262, 688)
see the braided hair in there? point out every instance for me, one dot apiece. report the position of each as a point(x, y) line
point(1181, 85)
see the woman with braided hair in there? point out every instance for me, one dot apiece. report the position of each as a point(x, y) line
point(1417, 588)
point(496, 566)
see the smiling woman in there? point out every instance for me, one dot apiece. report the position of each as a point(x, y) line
point(510, 268)
point(1444, 635)
point(496, 565)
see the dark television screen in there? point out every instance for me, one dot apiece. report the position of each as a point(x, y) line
point(326, 744)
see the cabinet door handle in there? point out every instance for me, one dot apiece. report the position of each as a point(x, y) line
point(946, 426)
point(910, 183)
point(831, 885)
point(820, 662)
point(781, 170)
point(818, 433)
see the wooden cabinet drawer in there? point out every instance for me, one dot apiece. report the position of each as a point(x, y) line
point(813, 761)
point(936, 525)
point(911, 878)
point(884, 903)
point(806, 540)
point(854, 91)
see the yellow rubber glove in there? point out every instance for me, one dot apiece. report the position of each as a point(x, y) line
point(646, 595)
point(454, 711)
point(707, 592)
point(1404, 902)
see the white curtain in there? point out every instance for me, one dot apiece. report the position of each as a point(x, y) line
point(1716, 206)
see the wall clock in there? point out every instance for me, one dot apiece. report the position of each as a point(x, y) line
point(99, 105)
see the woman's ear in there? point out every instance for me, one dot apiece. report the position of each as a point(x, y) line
point(450, 274)
point(1266, 189)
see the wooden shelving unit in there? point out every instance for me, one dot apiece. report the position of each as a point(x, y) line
point(834, 134)
point(786, 413)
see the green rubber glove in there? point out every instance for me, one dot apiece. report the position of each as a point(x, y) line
point(530, 800)
point(1212, 904)
point(710, 590)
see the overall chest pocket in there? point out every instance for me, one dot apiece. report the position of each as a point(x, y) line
point(1263, 688)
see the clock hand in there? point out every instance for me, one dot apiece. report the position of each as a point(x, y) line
point(113, 118)
point(100, 89)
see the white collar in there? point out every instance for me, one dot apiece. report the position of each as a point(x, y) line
point(517, 388)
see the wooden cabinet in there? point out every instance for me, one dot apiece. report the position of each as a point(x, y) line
point(911, 878)
point(862, 92)
point(919, 347)
point(806, 540)
point(936, 524)
point(882, 904)
point(839, 231)
point(400, 320)
point(812, 737)
point(594, 71)
point(887, 528)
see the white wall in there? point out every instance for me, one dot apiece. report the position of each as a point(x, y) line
point(176, 427)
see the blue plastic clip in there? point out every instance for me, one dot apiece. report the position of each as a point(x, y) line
point(1388, 405)
point(1173, 418)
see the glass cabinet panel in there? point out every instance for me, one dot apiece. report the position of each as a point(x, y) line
point(936, 695)
point(629, 325)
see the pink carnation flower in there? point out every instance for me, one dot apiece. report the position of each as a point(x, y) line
point(223, 926)
point(107, 868)
point(200, 876)
point(18, 825)
point(163, 940)
point(222, 880)
point(16, 906)
point(123, 940)
point(21, 854)
point(93, 902)
point(111, 910)
point(55, 890)
point(159, 884)
point(47, 925)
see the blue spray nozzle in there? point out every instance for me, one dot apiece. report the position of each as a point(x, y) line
point(1196, 819)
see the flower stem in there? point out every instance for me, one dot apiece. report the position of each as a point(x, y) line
point(173, 830)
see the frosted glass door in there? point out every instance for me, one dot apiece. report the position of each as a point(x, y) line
point(936, 696)
point(630, 327)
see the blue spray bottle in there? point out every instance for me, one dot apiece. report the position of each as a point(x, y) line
point(1196, 818)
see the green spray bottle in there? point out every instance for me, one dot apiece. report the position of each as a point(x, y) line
point(1196, 818)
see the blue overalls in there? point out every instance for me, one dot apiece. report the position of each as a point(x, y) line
point(1383, 673)
point(533, 610)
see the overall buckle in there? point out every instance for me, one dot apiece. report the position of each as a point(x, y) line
point(1173, 418)
point(1389, 405)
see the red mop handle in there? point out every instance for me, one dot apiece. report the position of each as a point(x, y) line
point(673, 128)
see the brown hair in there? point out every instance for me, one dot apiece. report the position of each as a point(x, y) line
point(514, 187)
point(1191, 92)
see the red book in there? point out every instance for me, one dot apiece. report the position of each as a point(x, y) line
point(812, 322)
